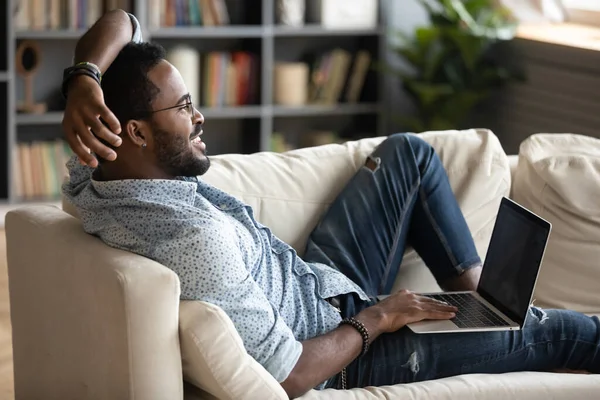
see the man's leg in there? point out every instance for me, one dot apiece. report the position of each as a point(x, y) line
point(400, 195)
point(550, 340)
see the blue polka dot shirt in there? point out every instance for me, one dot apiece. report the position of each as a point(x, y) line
point(221, 254)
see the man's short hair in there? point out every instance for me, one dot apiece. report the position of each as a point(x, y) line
point(128, 92)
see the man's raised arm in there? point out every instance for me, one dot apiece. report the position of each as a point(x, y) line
point(85, 108)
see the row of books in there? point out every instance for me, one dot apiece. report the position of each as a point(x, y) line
point(64, 14)
point(39, 169)
point(338, 76)
point(230, 79)
point(168, 13)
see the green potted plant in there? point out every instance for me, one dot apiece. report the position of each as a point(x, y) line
point(453, 65)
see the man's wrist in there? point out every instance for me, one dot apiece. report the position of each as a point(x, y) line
point(373, 319)
point(80, 80)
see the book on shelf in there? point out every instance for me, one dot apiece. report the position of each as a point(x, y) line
point(171, 13)
point(230, 79)
point(39, 169)
point(41, 15)
point(338, 76)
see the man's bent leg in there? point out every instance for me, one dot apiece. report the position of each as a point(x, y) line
point(551, 340)
point(400, 195)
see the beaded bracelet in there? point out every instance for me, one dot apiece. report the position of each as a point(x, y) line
point(362, 329)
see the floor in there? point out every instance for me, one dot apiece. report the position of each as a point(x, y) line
point(6, 368)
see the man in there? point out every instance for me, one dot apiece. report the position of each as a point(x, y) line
point(305, 320)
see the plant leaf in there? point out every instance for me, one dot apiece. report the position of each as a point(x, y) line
point(471, 47)
point(460, 105)
point(426, 93)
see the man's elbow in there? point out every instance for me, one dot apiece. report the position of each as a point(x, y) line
point(294, 386)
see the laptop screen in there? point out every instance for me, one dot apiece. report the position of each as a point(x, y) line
point(513, 260)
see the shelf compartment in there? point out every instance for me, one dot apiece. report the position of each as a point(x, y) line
point(49, 118)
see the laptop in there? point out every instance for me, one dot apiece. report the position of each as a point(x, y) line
point(508, 277)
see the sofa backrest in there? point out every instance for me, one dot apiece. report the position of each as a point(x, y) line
point(290, 192)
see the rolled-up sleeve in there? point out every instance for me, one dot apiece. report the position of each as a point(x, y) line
point(211, 268)
point(137, 30)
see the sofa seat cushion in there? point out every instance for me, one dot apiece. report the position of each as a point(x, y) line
point(558, 177)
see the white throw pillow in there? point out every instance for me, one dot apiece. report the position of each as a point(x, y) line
point(558, 177)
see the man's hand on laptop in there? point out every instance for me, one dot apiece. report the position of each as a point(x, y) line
point(83, 115)
point(405, 307)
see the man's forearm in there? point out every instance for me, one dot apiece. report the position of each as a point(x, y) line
point(105, 39)
point(326, 355)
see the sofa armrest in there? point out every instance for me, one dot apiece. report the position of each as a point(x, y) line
point(88, 321)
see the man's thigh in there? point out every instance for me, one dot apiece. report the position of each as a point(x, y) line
point(363, 233)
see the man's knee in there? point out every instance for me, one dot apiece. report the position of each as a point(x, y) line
point(409, 141)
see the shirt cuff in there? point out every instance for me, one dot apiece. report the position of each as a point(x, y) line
point(137, 30)
point(281, 364)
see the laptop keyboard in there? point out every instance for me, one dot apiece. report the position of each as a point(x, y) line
point(471, 312)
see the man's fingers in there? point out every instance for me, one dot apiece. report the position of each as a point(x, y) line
point(444, 305)
point(437, 314)
point(79, 149)
point(96, 146)
point(101, 131)
point(110, 120)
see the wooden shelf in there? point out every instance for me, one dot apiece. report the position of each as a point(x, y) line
point(49, 118)
point(318, 30)
point(50, 34)
point(324, 110)
point(232, 112)
point(208, 32)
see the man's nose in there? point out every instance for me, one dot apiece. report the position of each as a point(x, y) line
point(198, 117)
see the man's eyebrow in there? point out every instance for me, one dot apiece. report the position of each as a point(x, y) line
point(184, 97)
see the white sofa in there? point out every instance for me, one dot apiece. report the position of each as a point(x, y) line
point(92, 322)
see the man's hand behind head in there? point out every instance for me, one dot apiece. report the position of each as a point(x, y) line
point(86, 111)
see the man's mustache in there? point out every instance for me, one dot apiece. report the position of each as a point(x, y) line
point(197, 130)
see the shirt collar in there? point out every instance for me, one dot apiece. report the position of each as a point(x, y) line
point(180, 189)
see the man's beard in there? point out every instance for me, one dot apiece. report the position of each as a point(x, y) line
point(176, 157)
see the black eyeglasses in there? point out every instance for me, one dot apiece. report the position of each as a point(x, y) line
point(189, 106)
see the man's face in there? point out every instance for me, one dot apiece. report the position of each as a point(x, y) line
point(176, 125)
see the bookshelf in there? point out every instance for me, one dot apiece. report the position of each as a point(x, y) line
point(245, 128)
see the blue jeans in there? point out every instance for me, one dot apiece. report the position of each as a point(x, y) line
point(401, 197)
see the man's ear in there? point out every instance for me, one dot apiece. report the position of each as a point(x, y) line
point(137, 131)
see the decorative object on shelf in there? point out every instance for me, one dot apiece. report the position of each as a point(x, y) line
point(187, 60)
point(453, 63)
point(290, 83)
point(290, 12)
point(28, 60)
point(345, 14)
